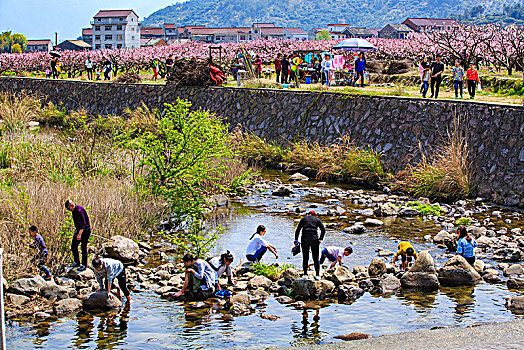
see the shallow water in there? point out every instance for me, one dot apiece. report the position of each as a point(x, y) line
point(153, 323)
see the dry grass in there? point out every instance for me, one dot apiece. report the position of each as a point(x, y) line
point(16, 111)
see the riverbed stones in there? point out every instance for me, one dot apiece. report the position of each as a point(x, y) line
point(388, 284)
point(407, 212)
point(27, 286)
point(507, 254)
point(349, 292)
point(283, 191)
point(440, 237)
point(298, 177)
point(373, 222)
point(313, 290)
point(377, 267)
point(50, 290)
point(240, 298)
point(355, 229)
point(288, 276)
point(424, 263)
point(479, 266)
point(515, 283)
point(85, 275)
point(514, 270)
point(121, 248)
point(366, 285)
point(386, 209)
point(420, 281)
point(100, 301)
point(338, 275)
point(68, 306)
point(17, 299)
point(353, 336)
point(284, 299)
point(516, 304)
point(259, 282)
point(458, 272)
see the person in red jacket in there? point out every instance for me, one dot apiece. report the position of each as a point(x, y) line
point(278, 66)
point(473, 79)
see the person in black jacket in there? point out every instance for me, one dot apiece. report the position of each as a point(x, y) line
point(309, 226)
point(437, 68)
point(285, 69)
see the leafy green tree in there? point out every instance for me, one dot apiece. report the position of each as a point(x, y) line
point(8, 40)
point(323, 35)
point(16, 48)
point(20, 40)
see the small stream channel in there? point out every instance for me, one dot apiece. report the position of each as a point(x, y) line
point(153, 323)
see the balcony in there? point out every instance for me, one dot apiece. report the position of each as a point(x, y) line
point(110, 21)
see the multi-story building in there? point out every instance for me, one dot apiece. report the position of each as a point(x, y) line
point(113, 29)
point(44, 45)
point(295, 34)
point(87, 35)
point(429, 24)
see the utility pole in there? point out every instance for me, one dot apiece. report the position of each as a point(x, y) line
point(2, 311)
point(56, 38)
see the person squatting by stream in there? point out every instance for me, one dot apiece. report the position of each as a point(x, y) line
point(106, 270)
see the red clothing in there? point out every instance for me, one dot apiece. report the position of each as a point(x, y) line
point(278, 64)
point(258, 64)
point(472, 74)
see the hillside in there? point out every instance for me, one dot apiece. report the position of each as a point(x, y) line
point(309, 14)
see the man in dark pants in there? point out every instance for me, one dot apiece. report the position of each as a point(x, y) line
point(437, 67)
point(310, 240)
point(82, 233)
point(284, 63)
point(278, 66)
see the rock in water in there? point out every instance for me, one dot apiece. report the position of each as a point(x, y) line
point(507, 254)
point(373, 222)
point(240, 298)
point(85, 275)
point(407, 211)
point(269, 317)
point(68, 306)
point(515, 283)
point(121, 248)
point(377, 267)
point(283, 299)
point(17, 299)
point(458, 272)
point(513, 270)
point(366, 285)
point(386, 209)
point(313, 290)
point(420, 281)
point(298, 177)
point(516, 304)
point(259, 281)
point(283, 191)
point(441, 236)
point(424, 263)
point(388, 284)
point(355, 229)
point(100, 301)
point(353, 336)
point(338, 275)
point(287, 277)
point(348, 292)
point(52, 291)
point(27, 286)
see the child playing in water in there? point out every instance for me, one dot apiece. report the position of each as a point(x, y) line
point(40, 258)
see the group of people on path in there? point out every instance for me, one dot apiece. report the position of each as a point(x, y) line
point(431, 75)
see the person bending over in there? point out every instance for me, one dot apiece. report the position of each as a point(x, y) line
point(407, 253)
point(222, 264)
point(106, 270)
point(466, 245)
point(334, 255)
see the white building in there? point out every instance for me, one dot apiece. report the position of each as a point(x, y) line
point(44, 45)
point(114, 29)
point(296, 34)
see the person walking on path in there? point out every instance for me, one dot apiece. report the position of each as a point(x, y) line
point(258, 66)
point(107, 66)
point(222, 265)
point(473, 80)
point(89, 69)
point(466, 245)
point(309, 225)
point(106, 270)
point(199, 279)
point(458, 79)
point(278, 66)
point(258, 246)
point(40, 258)
point(81, 235)
point(424, 65)
point(156, 68)
point(285, 70)
point(54, 67)
point(360, 68)
point(437, 67)
point(407, 253)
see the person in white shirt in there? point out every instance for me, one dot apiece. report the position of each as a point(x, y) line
point(258, 246)
point(199, 281)
point(222, 264)
point(89, 69)
point(334, 255)
point(326, 69)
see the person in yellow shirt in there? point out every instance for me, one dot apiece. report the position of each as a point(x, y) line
point(407, 253)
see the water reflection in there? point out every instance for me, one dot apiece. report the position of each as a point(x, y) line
point(308, 332)
point(423, 302)
point(463, 298)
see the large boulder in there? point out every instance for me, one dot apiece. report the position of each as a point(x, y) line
point(313, 290)
point(441, 236)
point(458, 272)
point(85, 275)
point(68, 306)
point(17, 299)
point(388, 284)
point(386, 209)
point(355, 229)
point(514, 270)
point(283, 191)
point(51, 290)
point(479, 266)
point(516, 283)
point(240, 298)
point(100, 301)
point(377, 267)
point(507, 254)
point(349, 292)
point(424, 263)
point(259, 281)
point(516, 304)
point(288, 276)
point(27, 286)
point(122, 248)
point(298, 177)
point(366, 285)
point(420, 281)
point(407, 211)
point(339, 275)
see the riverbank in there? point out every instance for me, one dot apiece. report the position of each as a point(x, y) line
point(505, 335)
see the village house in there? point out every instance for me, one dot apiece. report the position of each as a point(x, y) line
point(358, 32)
point(429, 24)
point(395, 31)
point(87, 35)
point(336, 31)
point(296, 34)
point(44, 45)
point(114, 29)
point(74, 45)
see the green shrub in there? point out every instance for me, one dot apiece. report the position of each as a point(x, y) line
point(462, 221)
point(426, 209)
point(272, 272)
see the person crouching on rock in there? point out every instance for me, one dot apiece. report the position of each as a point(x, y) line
point(222, 264)
point(106, 270)
point(466, 245)
point(334, 255)
point(199, 280)
point(407, 253)
point(309, 226)
point(40, 258)
point(258, 246)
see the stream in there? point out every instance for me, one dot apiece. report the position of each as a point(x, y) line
point(154, 323)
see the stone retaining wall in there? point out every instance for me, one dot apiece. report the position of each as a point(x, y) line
point(398, 127)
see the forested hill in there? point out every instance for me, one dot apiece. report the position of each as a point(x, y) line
point(308, 14)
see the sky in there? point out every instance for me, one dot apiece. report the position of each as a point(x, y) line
point(40, 19)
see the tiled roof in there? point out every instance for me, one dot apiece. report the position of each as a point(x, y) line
point(360, 31)
point(113, 13)
point(272, 31)
point(296, 31)
point(79, 43)
point(338, 25)
point(215, 31)
point(152, 30)
point(264, 25)
point(432, 21)
point(87, 31)
point(401, 28)
point(39, 42)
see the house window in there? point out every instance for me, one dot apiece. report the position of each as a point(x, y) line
point(121, 19)
point(97, 28)
point(97, 37)
point(108, 46)
point(242, 37)
point(99, 19)
point(118, 46)
point(108, 37)
point(97, 47)
point(119, 37)
point(119, 27)
point(108, 27)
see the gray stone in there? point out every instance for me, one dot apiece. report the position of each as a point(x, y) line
point(259, 281)
point(457, 272)
point(479, 266)
point(239, 309)
point(407, 211)
point(386, 209)
point(52, 291)
point(424, 263)
point(85, 275)
point(40, 315)
point(441, 236)
point(240, 298)
point(17, 299)
point(516, 304)
point(283, 299)
point(377, 267)
point(507, 254)
point(283, 191)
point(338, 275)
point(492, 278)
point(100, 301)
point(420, 281)
point(355, 229)
point(122, 248)
point(314, 290)
point(366, 285)
point(68, 306)
point(27, 286)
point(348, 292)
point(288, 276)
point(388, 284)
point(373, 222)
point(298, 177)
point(515, 283)
point(218, 200)
point(514, 269)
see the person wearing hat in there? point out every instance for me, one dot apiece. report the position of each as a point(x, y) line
point(437, 68)
point(310, 240)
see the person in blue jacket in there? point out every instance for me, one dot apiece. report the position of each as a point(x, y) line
point(466, 245)
point(360, 68)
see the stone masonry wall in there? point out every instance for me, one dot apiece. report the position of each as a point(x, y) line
point(398, 127)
